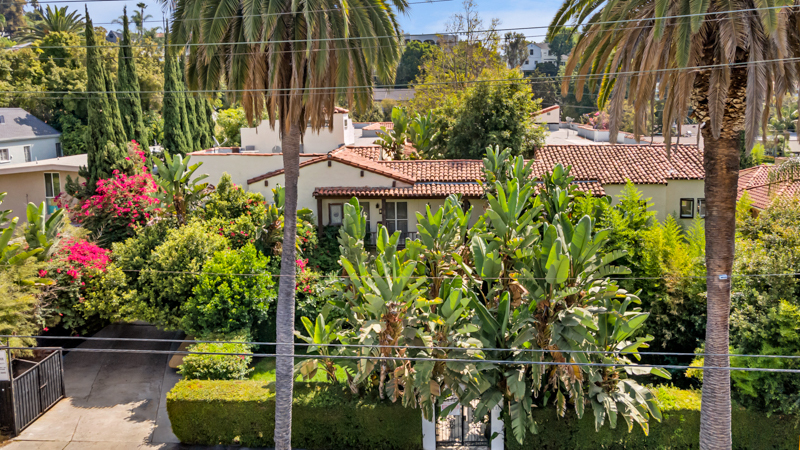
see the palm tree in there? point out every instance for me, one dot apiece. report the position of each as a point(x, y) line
point(725, 58)
point(289, 60)
point(139, 17)
point(53, 20)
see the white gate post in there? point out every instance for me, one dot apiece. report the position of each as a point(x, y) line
point(428, 433)
point(497, 443)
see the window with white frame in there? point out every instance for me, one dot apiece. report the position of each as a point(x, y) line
point(4, 156)
point(395, 217)
point(27, 151)
point(52, 187)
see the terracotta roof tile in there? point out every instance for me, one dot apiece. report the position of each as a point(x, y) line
point(755, 180)
point(375, 126)
point(372, 152)
point(449, 170)
point(431, 190)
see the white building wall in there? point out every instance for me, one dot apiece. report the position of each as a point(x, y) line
point(240, 166)
point(665, 198)
point(263, 139)
point(41, 149)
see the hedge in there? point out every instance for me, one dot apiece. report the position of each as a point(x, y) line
point(323, 417)
point(679, 429)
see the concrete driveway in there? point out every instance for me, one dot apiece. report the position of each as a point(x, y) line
point(115, 401)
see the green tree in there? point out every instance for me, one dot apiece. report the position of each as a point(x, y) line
point(231, 121)
point(130, 102)
point(515, 48)
point(409, 67)
point(14, 15)
point(174, 108)
point(281, 58)
point(561, 44)
point(665, 52)
point(53, 20)
point(105, 141)
point(544, 88)
point(490, 114)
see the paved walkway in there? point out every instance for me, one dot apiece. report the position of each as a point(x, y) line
point(115, 401)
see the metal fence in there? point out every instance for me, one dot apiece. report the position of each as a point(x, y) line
point(31, 393)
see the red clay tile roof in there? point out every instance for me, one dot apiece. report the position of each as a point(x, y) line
point(344, 156)
point(340, 110)
point(446, 170)
point(372, 152)
point(431, 190)
point(755, 181)
point(375, 126)
point(548, 109)
point(615, 164)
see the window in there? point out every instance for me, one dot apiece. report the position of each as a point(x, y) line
point(27, 151)
point(4, 155)
point(526, 62)
point(701, 207)
point(687, 208)
point(52, 187)
point(2, 120)
point(58, 150)
point(335, 213)
point(531, 52)
point(368, 237)
point(396, 217)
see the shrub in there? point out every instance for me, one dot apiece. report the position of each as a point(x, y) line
point(217, 367)
point(323, 417)
point(679, 429)
point(225, 302)
point(325, 256)
point(160, 266)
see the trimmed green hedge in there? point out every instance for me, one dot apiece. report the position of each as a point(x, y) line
point(679, 429)
point(323, 417)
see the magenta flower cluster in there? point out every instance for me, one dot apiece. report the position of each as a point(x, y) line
point(85, 255)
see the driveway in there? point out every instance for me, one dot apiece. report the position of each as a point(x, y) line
point(115, 401)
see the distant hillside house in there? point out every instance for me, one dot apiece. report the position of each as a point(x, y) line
point(114, 37)
point(550, 117)
point(25, 138)
point(539, 53)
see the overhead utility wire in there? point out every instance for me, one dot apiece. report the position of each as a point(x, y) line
point(401, 347)
point(409, 358)
point(290, 41)
point(498, 81)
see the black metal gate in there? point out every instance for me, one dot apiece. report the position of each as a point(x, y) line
point(29, 394)
point(459, 428)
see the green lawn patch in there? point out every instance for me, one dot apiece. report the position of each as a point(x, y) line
point(264, 370)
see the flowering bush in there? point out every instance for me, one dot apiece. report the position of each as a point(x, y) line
point(118, 205)
point(74, 268)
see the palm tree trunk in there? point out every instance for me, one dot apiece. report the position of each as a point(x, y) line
point(721, 162)
point(284, 365)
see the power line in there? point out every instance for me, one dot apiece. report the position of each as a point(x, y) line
point(620, 365)
point(399, 347)
point(338, 89)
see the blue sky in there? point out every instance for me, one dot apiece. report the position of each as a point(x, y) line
point(422, 18)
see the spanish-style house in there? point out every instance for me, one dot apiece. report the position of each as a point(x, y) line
point(394, 191)
point(24, 137)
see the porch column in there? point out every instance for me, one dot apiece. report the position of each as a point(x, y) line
point(429, 434)
point(497, 443)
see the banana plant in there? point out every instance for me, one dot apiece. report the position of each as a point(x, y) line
point(12, 254)
point(422, 132)
point(322, 334)
point(42, 231)
point(3, 212)
point(178, 189)
point(393, 141)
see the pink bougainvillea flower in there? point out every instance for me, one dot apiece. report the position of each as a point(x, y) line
point(42, 273)
point(45, 329)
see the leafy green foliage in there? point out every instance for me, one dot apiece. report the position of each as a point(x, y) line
point(408, 69)
point(765, 310)
point(42, 231)
point(178, 190)
point(217, 367)
point(232, 295)
point(528, 278)
point(130, 101)
point(230, 122)
point(394, 141)
point(176, 125)
point(323, 417)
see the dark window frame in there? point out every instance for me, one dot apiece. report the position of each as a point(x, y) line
point(691, 208)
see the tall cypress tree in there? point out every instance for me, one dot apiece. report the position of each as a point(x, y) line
point(200, 116)
point(210, 122)
point(174, 109)
point(130, 101)
point(194, 126)
point(187, 114)
point(105, 140)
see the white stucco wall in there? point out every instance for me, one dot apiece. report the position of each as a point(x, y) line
point(665, 198)
point(241, 167)
point(320, 175)
point(41, 149)
point(264, 139)
point(553, 116)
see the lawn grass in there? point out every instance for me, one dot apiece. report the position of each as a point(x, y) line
point(264, 370)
